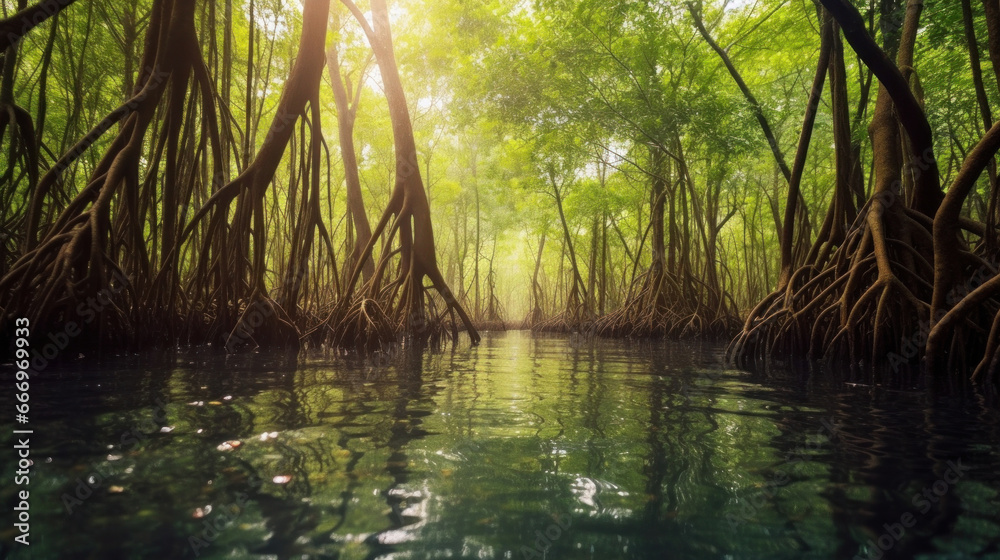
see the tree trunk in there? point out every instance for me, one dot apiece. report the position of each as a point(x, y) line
point(408, 201)
point(347, 110)
point(992, 9)
point(894, 100)
point(798, 166)
point(15, 27)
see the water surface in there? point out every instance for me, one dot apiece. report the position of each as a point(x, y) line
point(524, 447)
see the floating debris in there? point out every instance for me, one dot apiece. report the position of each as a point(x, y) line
point(201, 512)
point(229, 445)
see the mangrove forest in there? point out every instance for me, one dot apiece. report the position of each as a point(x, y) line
point(500, 278)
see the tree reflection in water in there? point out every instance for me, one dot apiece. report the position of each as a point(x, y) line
point(477, 452)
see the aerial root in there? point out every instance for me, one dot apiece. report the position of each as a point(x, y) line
point(662, 307)
point(868, 299)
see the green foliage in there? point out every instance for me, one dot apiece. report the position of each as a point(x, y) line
point(509, 97)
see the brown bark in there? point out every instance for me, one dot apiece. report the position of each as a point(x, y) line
point(73, 259)
point(798, 166)
point(237, 278)
point(992, 9)
point(870, 293)
point(347, 110)
point(894, 100)
point(408, 209)
point(15, 27)
point(947, 244)
point(849, 183)
point(537, 294)
point(577, 291)
point(984, 110)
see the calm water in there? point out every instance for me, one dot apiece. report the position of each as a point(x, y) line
point(525, 447)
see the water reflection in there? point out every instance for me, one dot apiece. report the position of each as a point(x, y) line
point(526, 446)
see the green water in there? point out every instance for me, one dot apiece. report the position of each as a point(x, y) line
point(525, 447)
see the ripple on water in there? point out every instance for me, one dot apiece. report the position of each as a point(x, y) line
point(602, 449)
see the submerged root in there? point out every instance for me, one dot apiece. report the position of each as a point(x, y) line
point(362, 325)
point(89, 266)
point(665, 305)
point(967, 336)
point(869, 304)
point(402, 309)
point(565, 322)
point(64, 282)
point(262, 324)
